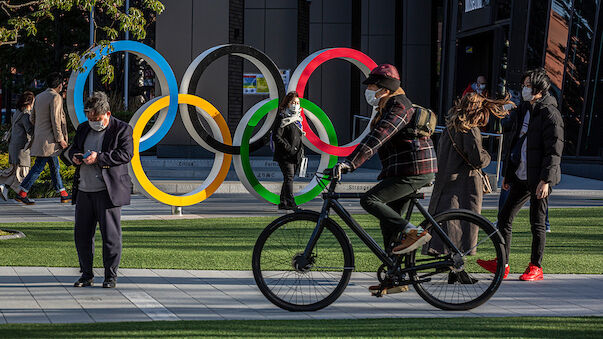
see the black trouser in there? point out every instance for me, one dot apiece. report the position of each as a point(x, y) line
point(288, 170)
point(519, 194)
point(90, 209)
point(387, 200)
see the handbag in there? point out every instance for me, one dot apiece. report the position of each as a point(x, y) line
point(64, 156)
point(486, 187)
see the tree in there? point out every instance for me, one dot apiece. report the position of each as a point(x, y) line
point(22, 18)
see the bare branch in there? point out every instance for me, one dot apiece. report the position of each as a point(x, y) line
point(5, 4)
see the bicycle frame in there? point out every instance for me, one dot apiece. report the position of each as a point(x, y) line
point(331, 202)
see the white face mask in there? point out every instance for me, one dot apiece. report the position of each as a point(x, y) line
point(371, 98)
point(526, 94)
point(295, 108)
point(97, 125)
point(481, 86)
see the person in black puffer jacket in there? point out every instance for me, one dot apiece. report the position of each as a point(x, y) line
point(288, 149)
point(532, 166)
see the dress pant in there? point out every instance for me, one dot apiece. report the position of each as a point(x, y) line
point(387, 200)
point(90, 209)
point(288, 170)
point(519, 193)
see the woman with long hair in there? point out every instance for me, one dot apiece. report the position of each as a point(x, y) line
point(461, 157)
point(18, 147)
point(288, 149)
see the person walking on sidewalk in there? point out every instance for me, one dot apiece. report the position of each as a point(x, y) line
point(18, 147)
point(458, 183)
point(532, 167)
point(102, 149)
point(408, 162)
point(288, 148)
point(50, 137)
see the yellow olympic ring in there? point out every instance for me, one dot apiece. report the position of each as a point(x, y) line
point(215, 178)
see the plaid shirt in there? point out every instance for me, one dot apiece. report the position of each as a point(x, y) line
point(399, 155)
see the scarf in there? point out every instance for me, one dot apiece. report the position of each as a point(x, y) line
point(292, 118)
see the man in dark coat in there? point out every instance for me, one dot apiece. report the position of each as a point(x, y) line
point(532, 166)
point(102, 149)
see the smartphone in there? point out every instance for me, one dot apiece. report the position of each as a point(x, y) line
point(82, 156)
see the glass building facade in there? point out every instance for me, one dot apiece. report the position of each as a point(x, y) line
point(563, 36)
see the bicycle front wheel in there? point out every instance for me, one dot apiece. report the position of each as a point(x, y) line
point(293, 282)
point(466, 285)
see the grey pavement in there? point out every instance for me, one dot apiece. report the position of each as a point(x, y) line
point(46, 295)
point(572, 192)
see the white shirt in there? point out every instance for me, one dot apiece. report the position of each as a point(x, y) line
point(522, 170)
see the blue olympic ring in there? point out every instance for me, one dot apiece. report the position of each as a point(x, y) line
point(156, 61)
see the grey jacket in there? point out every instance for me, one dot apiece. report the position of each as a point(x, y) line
point(20, 139)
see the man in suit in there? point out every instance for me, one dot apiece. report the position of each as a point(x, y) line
point(49, 139)
point(101, 150)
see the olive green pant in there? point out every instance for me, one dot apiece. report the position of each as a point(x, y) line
point(387, 201)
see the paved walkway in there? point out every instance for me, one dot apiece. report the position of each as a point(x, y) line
point(46, 295)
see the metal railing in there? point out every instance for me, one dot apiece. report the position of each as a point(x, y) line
point(487, 135)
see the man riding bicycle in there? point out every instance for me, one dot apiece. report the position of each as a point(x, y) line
point(408, 163)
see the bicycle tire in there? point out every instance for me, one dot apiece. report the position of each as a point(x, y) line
point(295, 230)
point(431, 291)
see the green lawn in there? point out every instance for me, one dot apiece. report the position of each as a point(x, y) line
point(575, 246)
point(524, 327)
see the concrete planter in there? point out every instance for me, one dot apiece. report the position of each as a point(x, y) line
point(14, 235)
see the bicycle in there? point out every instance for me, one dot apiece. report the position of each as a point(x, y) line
point(303, 261)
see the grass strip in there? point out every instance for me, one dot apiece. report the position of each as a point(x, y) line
point(574, 246)
point(520, 327)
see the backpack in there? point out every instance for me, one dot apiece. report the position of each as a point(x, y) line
point(423, 123)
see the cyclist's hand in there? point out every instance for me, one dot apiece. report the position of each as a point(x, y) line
point(341, 168)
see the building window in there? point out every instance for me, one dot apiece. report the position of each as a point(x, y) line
point(591, 143)
point(582, 33)
point(536, 36)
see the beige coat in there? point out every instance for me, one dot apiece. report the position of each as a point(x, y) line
point(457, 185)
point(50, 124)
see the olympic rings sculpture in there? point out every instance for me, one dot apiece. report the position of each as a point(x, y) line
point(218, 139)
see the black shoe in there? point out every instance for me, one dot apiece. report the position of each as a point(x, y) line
point(282, 206)
point(461, 277)
point(66, 199)
point(83, 282)
point(25, 200)
point(109, 283)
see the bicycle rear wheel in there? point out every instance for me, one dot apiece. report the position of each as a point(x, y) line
point(469, 285)
point(310, 286)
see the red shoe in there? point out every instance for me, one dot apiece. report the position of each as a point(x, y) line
point(490, 266)
point(532, 273)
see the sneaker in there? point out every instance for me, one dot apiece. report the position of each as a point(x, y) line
point(490, 266)
point(65, 199)
point(84, 282)
point(25, 200)
point(548, 230)
point(386, 288)
point(461, 277)
point(109, 283)
point(412, 241)
point(4, 192)
point(532, 273)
